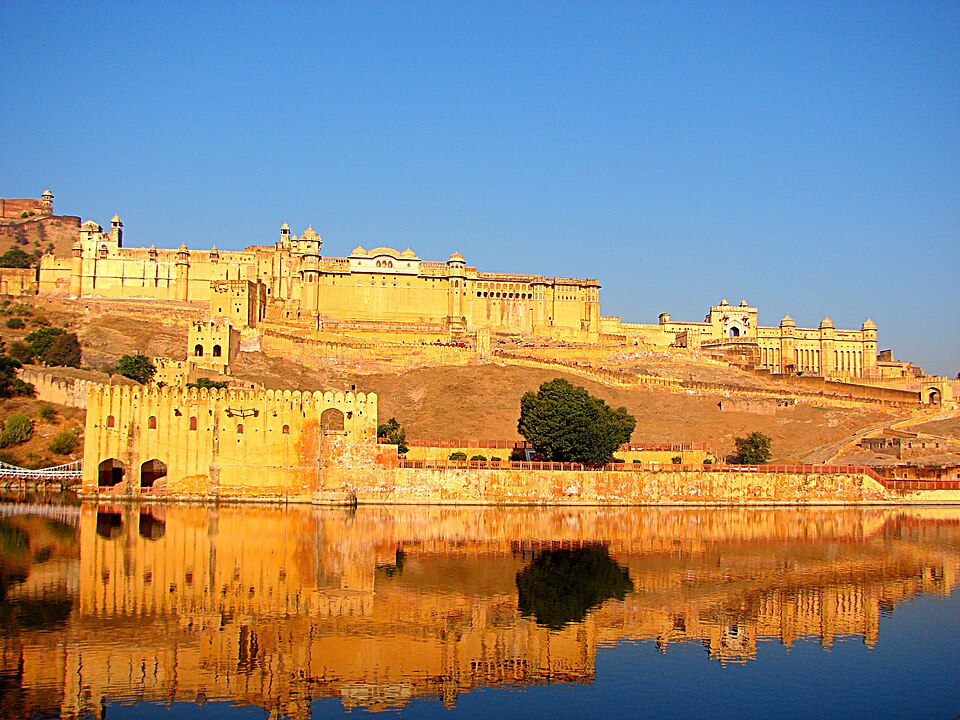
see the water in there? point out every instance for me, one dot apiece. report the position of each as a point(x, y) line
point(250, 612)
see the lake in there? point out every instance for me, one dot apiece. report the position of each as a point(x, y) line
point(196, 611)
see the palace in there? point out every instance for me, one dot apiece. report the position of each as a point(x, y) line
point(292, 283)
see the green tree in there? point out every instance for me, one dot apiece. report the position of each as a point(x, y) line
point(17, 429)
point(15, 323)
point(754, 449)
point(209, 384)
point(393, 433)
point(10, 384)
point(565, 423)
point(41, 340)
point(478, 458)
point(64, 442)
point(64, 351)
point(20, 351)
point(458, 456)
point(136, 367)
point(16, 258)
point(48, 413)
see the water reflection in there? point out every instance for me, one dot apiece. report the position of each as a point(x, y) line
point(274, 608)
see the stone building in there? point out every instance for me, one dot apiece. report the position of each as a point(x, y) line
point(216, 443)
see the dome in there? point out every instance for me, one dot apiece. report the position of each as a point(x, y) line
point(456, 257)
point(309, 234)
point(359, 251)
point(91, 225)
point(409, 254)
point(115, 220)
point(826, 323)
point(724, 302)
point(183, 248)
point(214, 251)
point(788, 321)
point(868, 324)
point(285, 227)
point(47, 195)
point(743, 303)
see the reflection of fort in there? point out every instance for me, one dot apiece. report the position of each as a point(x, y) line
point(275, 608)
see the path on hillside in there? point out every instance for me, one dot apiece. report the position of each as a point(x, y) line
point(825, 454)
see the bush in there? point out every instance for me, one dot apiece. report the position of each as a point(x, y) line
point(48, 414)
point(209, 384)
point(676, 459)
point(16, 258)
point(496, 459)
point(20, 351)
point(393, 433)
point(478, 458)
point(754, 449)
point(17, 429)
point(15, 323)
point(10, 384)
point(41, 340)
point(64, 351)
point(64, 442)
point(136, 367)
point(459, 455)
point(708, 461)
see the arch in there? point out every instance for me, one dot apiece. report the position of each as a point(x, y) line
point(217, 351)
point(152, 422)
point(733, 332)
point(933, 396)
point(331, 420)
point(198, 350)
point(286, 430)
point(193, 422)
point(239, 428)
point(111, 421)
point(151, 528)
point(109, 524)
point(110, 473)
point(151, 471)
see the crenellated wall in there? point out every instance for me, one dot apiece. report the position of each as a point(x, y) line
point(199, 443)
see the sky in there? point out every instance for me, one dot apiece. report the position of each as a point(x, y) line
point(803, 156)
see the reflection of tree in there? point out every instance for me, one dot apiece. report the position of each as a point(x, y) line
point(562, 586)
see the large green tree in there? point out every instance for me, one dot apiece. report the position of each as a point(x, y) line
point(392, 432)
point(565, 423)
point(136, 367)
point(754, 449)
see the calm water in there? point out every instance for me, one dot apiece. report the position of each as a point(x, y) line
point(246, 612)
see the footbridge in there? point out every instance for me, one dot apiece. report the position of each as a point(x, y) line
point(65, 476)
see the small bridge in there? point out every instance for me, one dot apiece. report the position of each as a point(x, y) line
point(63, 475)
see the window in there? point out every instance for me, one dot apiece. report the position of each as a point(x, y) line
point(198, 350)
point(111, 421)
point(193, 422)
point(152, 422)
point(239, 428)
point(286, 429)
point(217, 351)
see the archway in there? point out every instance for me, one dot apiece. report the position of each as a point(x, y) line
point(331, 420)
point(151, 528)
point(111, 472)
point(933, 396)
point(151, 471)
point(109, 524)
point(733, 332)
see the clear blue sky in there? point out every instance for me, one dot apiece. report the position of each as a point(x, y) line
point(804, 156)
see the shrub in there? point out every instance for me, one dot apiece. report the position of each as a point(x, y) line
point(15, 323)
point(708, 461)
point(10, 384)
point(393, 433)
point(20, 351)
point(17, 429)
point(48, 414)
point(136, 367)
point(64, 442)
point(478, 458)
point(676, 459)
point(209, 384)
point(41, 340)
point(458, 455)
point(16, 258)
point(496, 459)
point(64, 351)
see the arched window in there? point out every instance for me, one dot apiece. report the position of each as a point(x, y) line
point(239, 428)
point(286, 430)
point(152, 422)
point(111, 421)
point(217, 351)
point(193, 422)
point(198, 350)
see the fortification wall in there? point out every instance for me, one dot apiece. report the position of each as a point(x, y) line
point(18, 281)
point(71, 392)
point(590, 487)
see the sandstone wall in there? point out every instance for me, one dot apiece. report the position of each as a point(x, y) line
point(71, 392)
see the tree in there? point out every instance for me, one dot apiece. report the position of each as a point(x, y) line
point(10, 384)
point(41, 340)
point(64, 351)
point(565, 423)
point(16, 258)
point(204, 382)
point(136, 367)
point(64, 442)
point(754, 449)
point(393, 433)
point(458, 456)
